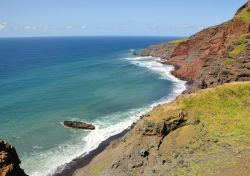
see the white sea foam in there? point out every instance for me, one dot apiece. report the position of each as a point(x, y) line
point(55, 159)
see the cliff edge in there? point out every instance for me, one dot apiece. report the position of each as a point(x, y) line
point(9, 161)
point(203, 132)
point(214, 56)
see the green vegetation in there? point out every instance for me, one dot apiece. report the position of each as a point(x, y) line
point(244, 38)
point(220, 117)
point(238, 48)
point(244, 15)
point(228, 61)
point(180, 41)
point(223, 110)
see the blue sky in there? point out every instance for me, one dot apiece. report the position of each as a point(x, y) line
point(112, 17)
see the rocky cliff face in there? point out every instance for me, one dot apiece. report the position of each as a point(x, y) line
point(197, 134)
point(214, 56)
point(202, 133)
point(9, 161)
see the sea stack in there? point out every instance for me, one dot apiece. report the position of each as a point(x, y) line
point(78, 125)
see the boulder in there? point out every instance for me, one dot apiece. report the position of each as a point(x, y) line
point(78, 125)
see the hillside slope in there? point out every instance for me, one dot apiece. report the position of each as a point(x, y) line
point(214, 56)
point(204, 133)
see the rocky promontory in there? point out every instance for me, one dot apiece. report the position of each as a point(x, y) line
point(9, 161)
point(214, 56)
point(205, 131)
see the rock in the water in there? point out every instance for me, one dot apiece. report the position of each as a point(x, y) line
point(79, 125)
point(9, 161)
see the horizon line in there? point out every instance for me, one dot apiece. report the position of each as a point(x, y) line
point(61, 36)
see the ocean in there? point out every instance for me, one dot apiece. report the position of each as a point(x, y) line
point(44, 81)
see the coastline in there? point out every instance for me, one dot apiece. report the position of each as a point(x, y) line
point(69, 169)
point(142, 88)
point(199, 74)
point(79, 162)
point(199, 128)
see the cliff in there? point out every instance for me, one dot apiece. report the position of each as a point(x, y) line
point(204, 133)
point(214, 56)
point(9, 161)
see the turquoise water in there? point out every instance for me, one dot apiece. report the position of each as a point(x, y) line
point(44, 81)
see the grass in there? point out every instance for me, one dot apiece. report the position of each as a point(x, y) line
point(245, 16)
point(220, 114)
point(224, 111)
point(180, 41)
point(238, 48)
point(243, 38)
point(228, 61)
point(241, 45)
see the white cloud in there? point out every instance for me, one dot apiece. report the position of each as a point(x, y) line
point(30, 27)
point(3, 25)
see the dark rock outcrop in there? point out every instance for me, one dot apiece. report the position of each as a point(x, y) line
point(170, 124)
point(78, 125)
point(9, 161)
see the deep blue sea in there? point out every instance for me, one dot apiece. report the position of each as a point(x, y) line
point(44, 81)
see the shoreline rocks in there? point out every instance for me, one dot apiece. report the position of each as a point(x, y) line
point(9, 161)
point(78, 125)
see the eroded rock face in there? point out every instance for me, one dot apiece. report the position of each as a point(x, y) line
point(9, 161)
point(170, 124)
point(78, 125)
point(203, 58)
point(141, 156)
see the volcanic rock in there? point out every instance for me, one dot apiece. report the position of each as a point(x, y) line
point(78, 125)
point(9, 161)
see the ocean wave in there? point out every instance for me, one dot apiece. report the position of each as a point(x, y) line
point(55, 160)
point(154, 64)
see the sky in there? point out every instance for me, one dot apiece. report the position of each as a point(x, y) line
point(27, 18)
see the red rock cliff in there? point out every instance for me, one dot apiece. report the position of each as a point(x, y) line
point(213, 56)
